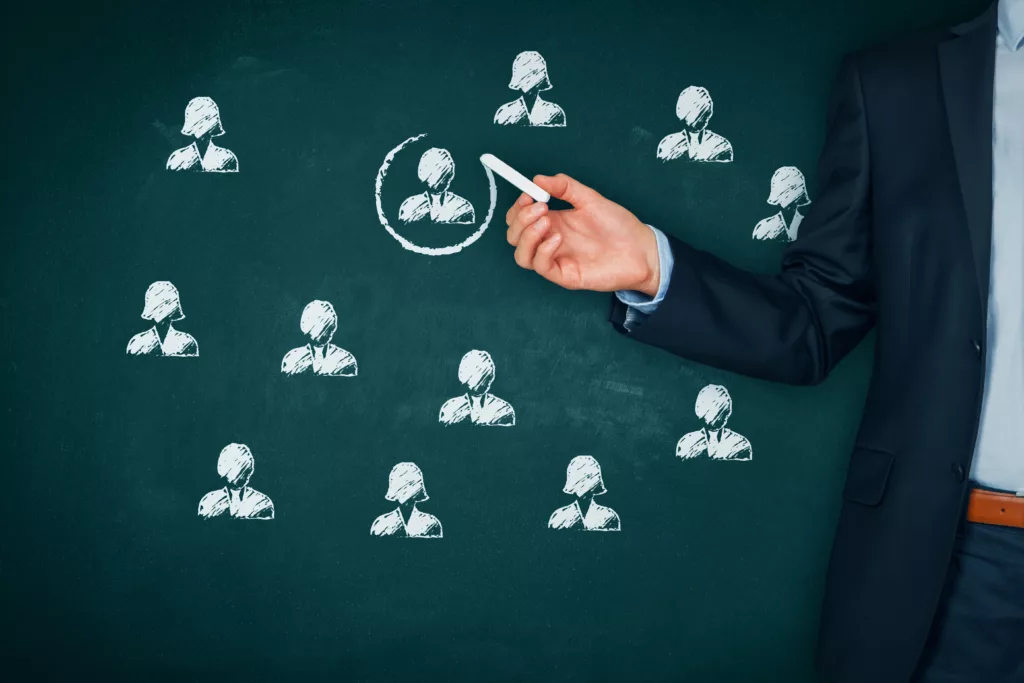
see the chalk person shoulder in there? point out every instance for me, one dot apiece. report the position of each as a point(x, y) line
point(163, 308)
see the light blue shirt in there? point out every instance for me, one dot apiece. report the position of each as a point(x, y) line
point(999, 455)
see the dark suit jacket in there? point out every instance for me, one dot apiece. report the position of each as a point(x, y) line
point(898, 239)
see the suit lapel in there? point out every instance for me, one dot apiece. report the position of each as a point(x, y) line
point(967, 66)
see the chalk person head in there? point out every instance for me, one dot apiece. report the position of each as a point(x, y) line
point(713, 407)
point(436, 170)
point(694, 108)
point(202, 119)
point(788, 188)
point(406, 486)
point(162, 307)
point(319, 322)
point(530, 74)
point(202, 123)
point(583, 478)
point(476, 372)
point(235, 465)
point(162, 304)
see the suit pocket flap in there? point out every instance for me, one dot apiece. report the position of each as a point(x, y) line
point(867, 475)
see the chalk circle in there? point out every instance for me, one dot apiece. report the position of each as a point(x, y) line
point(406, 244)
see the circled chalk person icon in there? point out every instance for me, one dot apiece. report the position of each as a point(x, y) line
point(163, 308)
point(236, 499)
point(695, 142)
point(788, 192)
point(202, 122)
point(530, 77)
point(438, 205)
point(437, 170)
point(406, 487)
point(583, 479)
point(477, 406)
point(319, 356)
point(714, 440)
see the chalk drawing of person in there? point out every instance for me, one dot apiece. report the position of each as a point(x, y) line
point(163, 307)
point(405, 487)
point(583, 479)
point(477, 406)
point(695, 142)
point(237, 499)
point(202, 122)
point(530, 77)
point(713, 440)
point(319, 356)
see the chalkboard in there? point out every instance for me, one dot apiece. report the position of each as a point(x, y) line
point(105, 566)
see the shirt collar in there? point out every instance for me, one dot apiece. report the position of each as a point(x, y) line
point(163, 342)
point(1011, 23)
point(536, 104)
point(412, 515)
point(209, 149)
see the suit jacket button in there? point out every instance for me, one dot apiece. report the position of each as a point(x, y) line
point(958, 472)
point(977, 347)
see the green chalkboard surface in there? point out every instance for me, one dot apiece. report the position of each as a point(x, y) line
point(107, 570)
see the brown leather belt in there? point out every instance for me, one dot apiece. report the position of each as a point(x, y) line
point(991, 507)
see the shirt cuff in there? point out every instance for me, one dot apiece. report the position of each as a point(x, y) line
point(639, 304)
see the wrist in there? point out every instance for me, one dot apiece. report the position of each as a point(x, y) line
point(651, 281)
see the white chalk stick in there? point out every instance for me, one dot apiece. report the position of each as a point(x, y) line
point(515, 177)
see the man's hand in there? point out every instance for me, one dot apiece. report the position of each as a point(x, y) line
point(596, 245)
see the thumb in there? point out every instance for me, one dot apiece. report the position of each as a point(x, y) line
point(567, 189)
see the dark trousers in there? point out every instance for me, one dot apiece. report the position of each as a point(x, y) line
point(978, 633)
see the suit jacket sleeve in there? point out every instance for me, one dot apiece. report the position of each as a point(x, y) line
point(794, 326)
